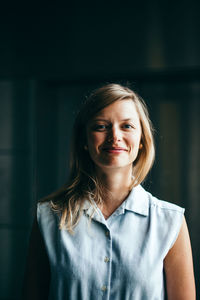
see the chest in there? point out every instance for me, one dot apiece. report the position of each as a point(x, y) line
point(128, 254)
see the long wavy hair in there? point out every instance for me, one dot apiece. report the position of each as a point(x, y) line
point(83, 182)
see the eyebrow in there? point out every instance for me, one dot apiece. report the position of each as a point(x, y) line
point(128, 119)
point(102, 119)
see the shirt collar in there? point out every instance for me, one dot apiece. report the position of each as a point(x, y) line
point(92, 210)
point(137, 201)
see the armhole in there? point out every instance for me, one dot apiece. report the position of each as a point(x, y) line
point(37, 273)
point(179, 222)
point(38, 213)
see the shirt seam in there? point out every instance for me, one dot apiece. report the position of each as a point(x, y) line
point(180, 210)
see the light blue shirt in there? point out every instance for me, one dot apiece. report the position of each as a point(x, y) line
point(120, 258)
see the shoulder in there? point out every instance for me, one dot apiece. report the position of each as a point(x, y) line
point(43, 208)
point(164, 218)
point(46, 216)
point(43, 205)
point(164, 205)
point(158, 204)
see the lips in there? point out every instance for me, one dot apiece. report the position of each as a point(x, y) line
point(114, 149)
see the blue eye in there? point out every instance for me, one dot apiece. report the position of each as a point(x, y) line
point(128, 126)
point(99, 127)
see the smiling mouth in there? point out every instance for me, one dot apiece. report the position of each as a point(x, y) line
point(114, 149)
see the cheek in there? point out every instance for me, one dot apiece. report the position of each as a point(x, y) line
point(94, 139)
point(135, 142)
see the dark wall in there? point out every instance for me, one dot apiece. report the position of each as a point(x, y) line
point(85, 39)
point(51, 57)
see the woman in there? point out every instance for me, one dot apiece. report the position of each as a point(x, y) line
point(102, 236)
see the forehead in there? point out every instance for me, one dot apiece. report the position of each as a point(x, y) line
point(122, 109)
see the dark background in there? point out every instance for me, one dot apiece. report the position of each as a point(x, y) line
point(51, 57)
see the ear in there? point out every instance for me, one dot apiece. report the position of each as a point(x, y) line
point(140, 146)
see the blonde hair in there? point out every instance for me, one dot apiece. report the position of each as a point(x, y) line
point(83, 182)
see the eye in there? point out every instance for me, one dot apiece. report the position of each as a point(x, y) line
point(99, 127)
point(128, 126)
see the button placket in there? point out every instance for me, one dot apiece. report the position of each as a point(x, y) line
point(106, 259)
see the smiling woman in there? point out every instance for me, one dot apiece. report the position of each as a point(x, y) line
point(102, 235)
point(114, 135)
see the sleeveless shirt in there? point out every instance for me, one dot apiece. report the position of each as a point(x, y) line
point(120, 258)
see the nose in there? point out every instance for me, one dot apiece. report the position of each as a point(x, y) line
point(114, 134)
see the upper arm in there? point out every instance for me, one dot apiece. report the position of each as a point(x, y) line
point(178, 267)
point(37, 273)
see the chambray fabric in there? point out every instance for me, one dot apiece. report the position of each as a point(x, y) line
point(120, 258)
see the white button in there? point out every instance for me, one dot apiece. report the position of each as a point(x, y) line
point(104, 288)
point(106, 259)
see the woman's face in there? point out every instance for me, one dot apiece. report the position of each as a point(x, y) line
point(113, 135)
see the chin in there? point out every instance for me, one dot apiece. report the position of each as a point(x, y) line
point(113, 165)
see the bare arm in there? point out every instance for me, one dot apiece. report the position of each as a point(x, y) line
point(178, 267)
point(37, 273)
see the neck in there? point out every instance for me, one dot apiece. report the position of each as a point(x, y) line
point(117, 184)
point(115, 180)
